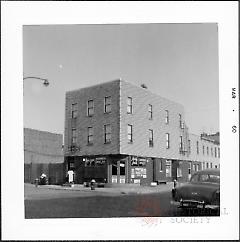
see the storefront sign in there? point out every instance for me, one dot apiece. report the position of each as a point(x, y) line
point(142, 161)
point(134, 161)
point(139, 172)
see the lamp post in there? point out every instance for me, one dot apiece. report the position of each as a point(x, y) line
point(45, 81)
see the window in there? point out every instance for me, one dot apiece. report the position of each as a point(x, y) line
point(129, 132)
point(211, 151)
point(107, 104)
point(207, 165)
point(180, 143)
point(189, 146)
point(74, 110)
point(218, 152)
point(211, 164)
point(129, 105)
point(166, 117)
point(197, 147)
point(160, 165)
point(107, 133)
point(90, 105)
point(179, 172)
point(150, 113)
point(189, 168)
point(203, 166)
point(168, 168)
point(90, 135)
point(207, 150)
point(216, 167)
point(215, 151)
point(167, 140)
point(74, 136)
point(203, 150)
point(150, 138)
point(180, 120)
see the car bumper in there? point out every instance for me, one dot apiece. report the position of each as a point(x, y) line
point(193, 204)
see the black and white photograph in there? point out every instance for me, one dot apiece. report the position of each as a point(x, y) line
point(121, 121)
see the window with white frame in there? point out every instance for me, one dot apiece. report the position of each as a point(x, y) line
point(90, 135)
point(74, 136)
point(167, 140)
point(130, 133)
point(150, 111)
point(107, 133)
point(150, 131)
point(107, 104)
point(74, 110)
point(90, 108)
point(166, 117)
point(129, 105)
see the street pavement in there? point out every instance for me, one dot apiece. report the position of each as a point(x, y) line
point(51, 201)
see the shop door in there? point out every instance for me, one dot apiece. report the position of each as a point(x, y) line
point(118, 172)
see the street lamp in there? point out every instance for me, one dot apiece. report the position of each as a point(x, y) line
point(45, 81)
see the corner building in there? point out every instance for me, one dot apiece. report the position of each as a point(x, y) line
point(116, 132)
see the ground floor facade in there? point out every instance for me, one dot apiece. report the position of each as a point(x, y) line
point(128, 169)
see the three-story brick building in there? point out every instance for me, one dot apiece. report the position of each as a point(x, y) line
point(120, 133)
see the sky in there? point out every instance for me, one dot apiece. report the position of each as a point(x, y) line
point(175, 61)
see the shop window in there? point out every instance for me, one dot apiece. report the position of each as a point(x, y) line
point(160, 166)
point(90, 108)
point(129, 105)
point(179, 172)
point(107, 104)
point(114, 169)
point(74, 110)
point(134, 161)
point(168, 168)
point(122, 168)
point(142, 161)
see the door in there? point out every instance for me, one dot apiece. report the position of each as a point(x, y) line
point(118, 172)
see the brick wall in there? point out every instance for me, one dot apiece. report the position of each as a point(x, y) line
point(97, 121)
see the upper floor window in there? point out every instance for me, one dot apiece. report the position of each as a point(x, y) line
point(197, 147)
point(207, 150)
point(215, 151)
point(166, 116)
point(150, 137)
point(211, 151)
point(90, 107)
point(129, 105)
point(90, 135)
point(218, 152)
point(107, 104)
point(203, 150)
point(167, 140)
point(150, 112)
point(180, 120)
point(74, 136)
point(130, 133)
point(107, 133)
point(189, 146)
point(74, 110)
point(181, 143)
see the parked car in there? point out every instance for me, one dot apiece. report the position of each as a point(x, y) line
point(203, 191)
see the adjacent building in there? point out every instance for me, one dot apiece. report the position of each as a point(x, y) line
point(43, 153)
point(117, 132)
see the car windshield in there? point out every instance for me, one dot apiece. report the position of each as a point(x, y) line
point(209, 178)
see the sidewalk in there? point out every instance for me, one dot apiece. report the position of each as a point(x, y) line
point(115, 190)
